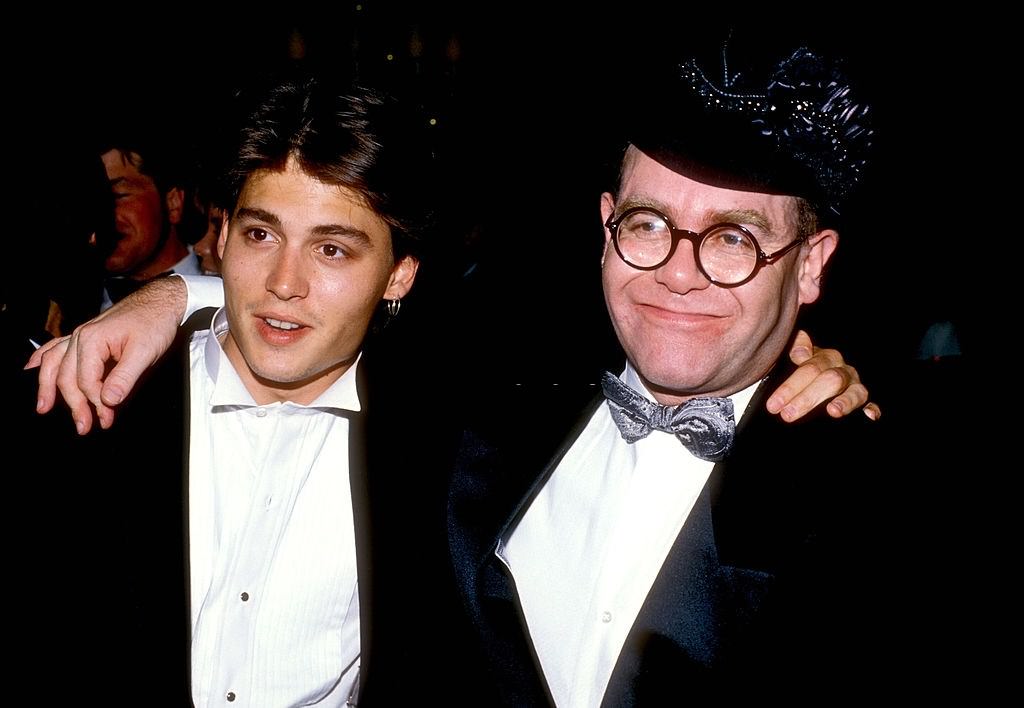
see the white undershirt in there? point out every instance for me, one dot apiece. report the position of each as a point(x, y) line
point(589, 548)
point(274, 593)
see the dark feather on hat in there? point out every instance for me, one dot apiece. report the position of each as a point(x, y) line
point(796, 129)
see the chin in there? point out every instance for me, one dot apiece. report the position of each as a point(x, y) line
point(276, 375)
point(678, 385)
point(685, 368)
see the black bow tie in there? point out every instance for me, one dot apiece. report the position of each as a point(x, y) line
point(704, 425)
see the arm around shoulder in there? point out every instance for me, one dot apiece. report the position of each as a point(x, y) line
point(130, 337)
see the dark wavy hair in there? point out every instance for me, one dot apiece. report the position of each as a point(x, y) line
point(342, 135)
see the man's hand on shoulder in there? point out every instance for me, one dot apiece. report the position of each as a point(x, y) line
point(97, 366)
point(821, 375)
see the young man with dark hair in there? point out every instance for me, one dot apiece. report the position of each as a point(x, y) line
point(265, 414)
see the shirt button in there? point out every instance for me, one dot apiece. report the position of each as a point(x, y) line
point(230, 696)
point(245, 597)
point(606, 617)
point(260, 413)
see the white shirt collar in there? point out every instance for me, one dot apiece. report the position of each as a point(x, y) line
point(228, 389)
point(189, 265)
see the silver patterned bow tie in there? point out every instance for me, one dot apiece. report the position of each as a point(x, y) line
point(704, 425)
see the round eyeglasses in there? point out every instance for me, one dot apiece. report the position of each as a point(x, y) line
point(727, 254)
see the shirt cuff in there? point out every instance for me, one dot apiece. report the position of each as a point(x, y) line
point(203, 291)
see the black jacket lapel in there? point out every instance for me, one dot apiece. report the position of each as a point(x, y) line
point(491, 489)
point(362, 516)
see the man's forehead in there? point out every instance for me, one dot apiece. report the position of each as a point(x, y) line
point(257, 182)
point(291, 197)
point(647, 182)
point(125, 166)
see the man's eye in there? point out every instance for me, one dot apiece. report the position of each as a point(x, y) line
point(332, 251)
point(258, 235)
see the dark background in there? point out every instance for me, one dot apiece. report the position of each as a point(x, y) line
point(526, 132)
point(525, 106)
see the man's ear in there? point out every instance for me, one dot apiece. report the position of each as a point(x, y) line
point(823, 245)
point(402, 277)
point(607, 209)
point(174, 200)
point(222, 240)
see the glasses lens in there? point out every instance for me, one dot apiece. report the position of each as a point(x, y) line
point(644, 239)
point(728, 255)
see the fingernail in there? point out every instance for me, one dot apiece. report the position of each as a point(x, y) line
point(801, 351)
point(871, 413)
point(80, 427)
point(39, 405)
point(837, 407)
point(115, 396)
point(773, 405)
point(788, 413)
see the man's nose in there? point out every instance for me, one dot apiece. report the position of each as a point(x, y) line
point(287, 278)
point(121, 222)
point(681, 274)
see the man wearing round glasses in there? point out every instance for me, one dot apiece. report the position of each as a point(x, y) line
point(681, 540)
point(705, 311)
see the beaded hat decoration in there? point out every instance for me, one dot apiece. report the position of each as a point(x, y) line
point(800, 131)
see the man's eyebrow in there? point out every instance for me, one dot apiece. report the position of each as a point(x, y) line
point(641, 201)
point(751, 217)
point(348, 232)
point(254, 214)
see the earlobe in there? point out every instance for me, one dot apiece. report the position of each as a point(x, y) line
point(823, 245)
point(175, 202)
point(402, 277)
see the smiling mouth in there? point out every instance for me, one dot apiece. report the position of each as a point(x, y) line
point(674, 314)
point(281, 324)
point(681, 321)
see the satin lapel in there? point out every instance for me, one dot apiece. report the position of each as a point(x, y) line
point(545, 475)
point(678, 633)
point(747, 435)
point(523, 682)
point(491, 492)
point(752, 490)
point(362, 518)
point(200, 320)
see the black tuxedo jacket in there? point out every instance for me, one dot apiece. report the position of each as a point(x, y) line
point(775, 584)
point(103, 551)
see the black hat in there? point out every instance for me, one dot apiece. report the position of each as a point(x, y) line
point(792, 128)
